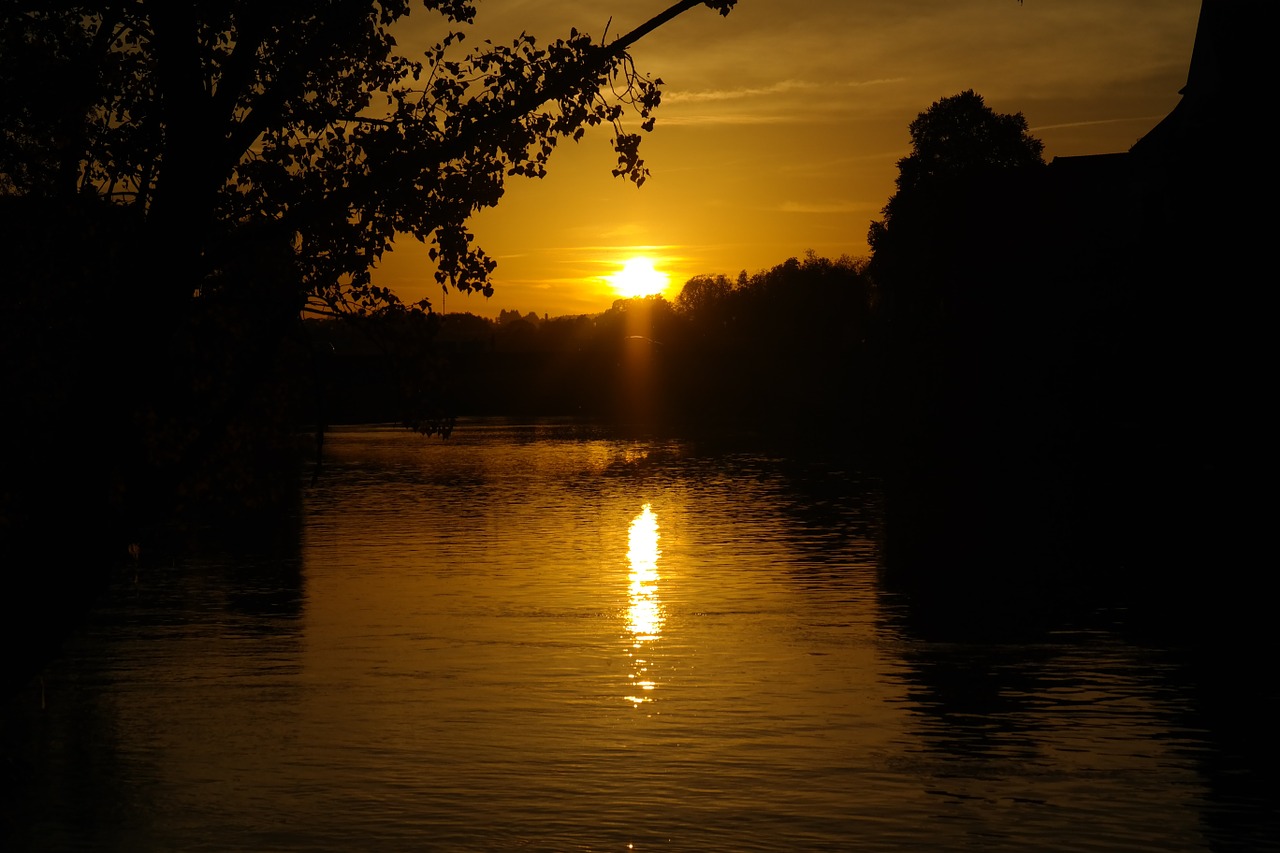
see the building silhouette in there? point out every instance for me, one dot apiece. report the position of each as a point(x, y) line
point(1091, 410)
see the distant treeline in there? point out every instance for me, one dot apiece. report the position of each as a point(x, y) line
point(785, 348)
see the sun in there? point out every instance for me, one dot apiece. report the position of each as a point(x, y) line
point(638, 278)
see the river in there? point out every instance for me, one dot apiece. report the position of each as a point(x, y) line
point(543, 637)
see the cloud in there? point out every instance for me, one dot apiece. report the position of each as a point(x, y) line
point(782, 101)
point(738, 94)
point(734, 118)
point(825, 208)
point(1151, 119)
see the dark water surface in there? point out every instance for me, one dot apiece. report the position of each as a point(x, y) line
point(543, 638)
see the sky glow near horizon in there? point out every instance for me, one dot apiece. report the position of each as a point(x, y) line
point(781, 126)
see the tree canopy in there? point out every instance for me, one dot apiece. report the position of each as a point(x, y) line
point(957, 138)
point(229, 123)
point(961, 133)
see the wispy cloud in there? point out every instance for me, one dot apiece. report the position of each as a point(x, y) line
point(823, 208)
point(796, 91)
point(1096, 122)
point(733, 118)
point(782, 86)
point(789, 100)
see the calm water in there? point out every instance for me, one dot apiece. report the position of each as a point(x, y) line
point(541, 638)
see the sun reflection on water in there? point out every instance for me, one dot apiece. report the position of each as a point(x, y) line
point(645, 615)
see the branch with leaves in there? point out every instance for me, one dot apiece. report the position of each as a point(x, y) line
point(302, 119)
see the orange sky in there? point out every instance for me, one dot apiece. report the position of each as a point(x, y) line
point(781, 126)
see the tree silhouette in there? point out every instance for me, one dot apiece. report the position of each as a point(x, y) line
point(247, 160)
point(958, 138)
point(788, 339)
point(703, 293)
point(966, 344)
point(207, 120)
point(964, 156)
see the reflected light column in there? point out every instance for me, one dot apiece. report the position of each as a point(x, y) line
point(637, 387)
point(644, 616)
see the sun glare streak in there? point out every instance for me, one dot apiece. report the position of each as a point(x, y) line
point(645, 615)
point(638, 277)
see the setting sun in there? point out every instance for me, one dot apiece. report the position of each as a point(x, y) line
point(638, 278)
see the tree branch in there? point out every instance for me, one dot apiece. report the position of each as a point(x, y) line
point(561, 84)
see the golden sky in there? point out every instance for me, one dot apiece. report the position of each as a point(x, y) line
point(781, 126)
